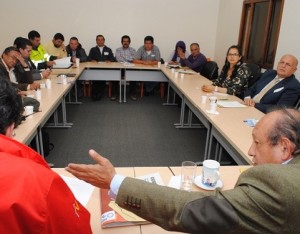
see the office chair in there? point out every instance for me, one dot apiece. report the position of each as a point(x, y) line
point(210, 70)
point(255, 73)
point(297, 106)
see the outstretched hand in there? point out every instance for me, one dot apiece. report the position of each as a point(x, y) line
point(99, 175)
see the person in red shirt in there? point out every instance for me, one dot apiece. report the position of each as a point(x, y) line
point(34, 199)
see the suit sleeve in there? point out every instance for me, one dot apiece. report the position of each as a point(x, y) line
point(111, 56)
point(82, 55)
point(172, 209)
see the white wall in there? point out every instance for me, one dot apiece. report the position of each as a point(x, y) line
point(289, 38)
point(230, 12)
point(168, 21)
point(214, 24)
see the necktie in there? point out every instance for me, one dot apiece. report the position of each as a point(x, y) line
point(258, 96)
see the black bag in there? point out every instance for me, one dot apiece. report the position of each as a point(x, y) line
point(28, 101)
point(47, 146)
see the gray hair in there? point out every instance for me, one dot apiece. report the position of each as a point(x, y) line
point(287, 125)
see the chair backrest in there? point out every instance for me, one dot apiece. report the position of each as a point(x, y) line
point(255, 73)
point(297, 106)
point(210, 70)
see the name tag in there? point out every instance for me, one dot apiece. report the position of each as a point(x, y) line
point(106, 53)
point(152, 55)
point(278, 90)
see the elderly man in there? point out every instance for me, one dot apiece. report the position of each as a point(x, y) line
point(195, 61)
point(275, 88)
point(264, 200)
point(34, 199)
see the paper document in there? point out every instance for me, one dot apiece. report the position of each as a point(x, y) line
point(127, 215)
point(175, 182)
point(190, 72)
point(81, 190)
point(230, 104)
point(154, 178)
point(62, 63)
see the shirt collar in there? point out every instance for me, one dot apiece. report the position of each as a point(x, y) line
point(7, 69)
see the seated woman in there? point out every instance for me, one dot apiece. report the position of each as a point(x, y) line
point(180, 47)
point(234, 75)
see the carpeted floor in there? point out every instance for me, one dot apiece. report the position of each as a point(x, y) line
point(136, 133)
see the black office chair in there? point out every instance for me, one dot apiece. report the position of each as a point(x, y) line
point(255, 73)
point(297, 106)
point(210, 70)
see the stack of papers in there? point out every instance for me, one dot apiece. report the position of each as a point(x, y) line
point(191, 72)
point(230, 104)
point(62, 63)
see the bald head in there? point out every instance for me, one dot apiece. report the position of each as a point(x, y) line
point(287, 66)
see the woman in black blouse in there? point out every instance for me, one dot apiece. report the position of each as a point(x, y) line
point(234, 75)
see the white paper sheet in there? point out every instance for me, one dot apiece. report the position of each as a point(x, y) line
point(62, 63)
point(154, 178)
point(175, 182)
point(81, 190)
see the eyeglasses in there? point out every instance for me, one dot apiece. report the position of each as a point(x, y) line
point(234, 55)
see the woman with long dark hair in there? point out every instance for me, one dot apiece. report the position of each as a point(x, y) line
point(233, 78)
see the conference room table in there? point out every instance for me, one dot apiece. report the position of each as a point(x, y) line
point(228, 127)
point(50, 100)
point(228, 174)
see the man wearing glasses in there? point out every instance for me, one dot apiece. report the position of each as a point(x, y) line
point(275, 88)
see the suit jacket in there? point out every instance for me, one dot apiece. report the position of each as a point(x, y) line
point(23, 77)
point(265, 200)
point(107, 54)
point(285, 93)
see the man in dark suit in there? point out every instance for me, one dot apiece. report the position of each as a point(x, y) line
point(102, 53)
point(275, 88)
point(15, 69)
point(265, 198)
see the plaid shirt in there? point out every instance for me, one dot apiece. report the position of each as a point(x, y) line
point(125, 55)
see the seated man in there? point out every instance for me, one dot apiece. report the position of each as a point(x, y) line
point(265, 198)
point(34, 199)
point(39, 56)
point(75, 50)
point(25, 48)
point(102, 53)
point(195, 61)
point(148, 54)
point(56, 46)
point(275, 88)
point(126, 54)
point(14, 68)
